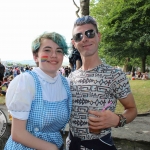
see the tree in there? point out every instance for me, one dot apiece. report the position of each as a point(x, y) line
point(84, 8)
point(126, 30)
point(100, 10)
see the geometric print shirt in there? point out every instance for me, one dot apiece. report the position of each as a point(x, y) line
point(92, 90)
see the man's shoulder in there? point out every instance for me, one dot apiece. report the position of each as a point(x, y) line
point(110, 68)
point(74, 73)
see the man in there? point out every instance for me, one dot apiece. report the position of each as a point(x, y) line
point(66, 71)
point(75, 59)
point(95, 88)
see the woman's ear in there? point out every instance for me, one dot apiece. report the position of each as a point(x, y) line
point(35, 57)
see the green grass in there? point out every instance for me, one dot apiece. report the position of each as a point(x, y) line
point(2, 99)
point(140, 90)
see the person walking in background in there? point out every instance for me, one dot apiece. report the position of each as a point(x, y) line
point(40, 101)
point(69, 70)
point(22, 69)
point(26, 67)
point(66, 71)
point(75, 59)
point(15, 72)
point(2, 70)
point(95, 89)
point(63, 71)
point(11, 71)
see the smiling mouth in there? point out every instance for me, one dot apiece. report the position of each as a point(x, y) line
point(87, 45)
point(53, 62)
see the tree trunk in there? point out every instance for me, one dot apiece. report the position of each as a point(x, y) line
point(143, 64)
point(84, 7)
point(126, 64)
point(124, 68)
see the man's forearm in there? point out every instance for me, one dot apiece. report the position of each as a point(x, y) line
point(130, 114)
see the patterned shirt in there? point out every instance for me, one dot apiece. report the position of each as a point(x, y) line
point(92, 90)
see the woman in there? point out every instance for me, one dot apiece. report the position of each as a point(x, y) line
point(40, 100)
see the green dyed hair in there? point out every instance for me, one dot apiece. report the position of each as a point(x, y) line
point(55, 37)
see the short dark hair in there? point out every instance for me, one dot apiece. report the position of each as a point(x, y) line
point(86, 20)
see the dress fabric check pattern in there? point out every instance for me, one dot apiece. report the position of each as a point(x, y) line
point(46, 119)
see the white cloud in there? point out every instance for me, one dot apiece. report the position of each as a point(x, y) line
point(24, 20)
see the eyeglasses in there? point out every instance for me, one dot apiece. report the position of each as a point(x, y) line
point(79, 36)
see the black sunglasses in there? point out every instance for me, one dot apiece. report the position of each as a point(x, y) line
point(79, 36)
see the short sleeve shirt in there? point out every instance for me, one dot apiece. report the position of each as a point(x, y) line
point(92, 90)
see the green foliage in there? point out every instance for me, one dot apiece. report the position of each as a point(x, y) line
point(10, 64)
point(125, 28)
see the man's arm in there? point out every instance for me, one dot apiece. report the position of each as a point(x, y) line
point(21, 135)
point(130, 110)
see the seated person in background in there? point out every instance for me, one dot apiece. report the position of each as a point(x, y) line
point(10, 78)
point(4, 84)
point(139, 75)
point(133, 75)
point(145, 76)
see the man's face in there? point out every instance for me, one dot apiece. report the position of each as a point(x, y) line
point(87, 46)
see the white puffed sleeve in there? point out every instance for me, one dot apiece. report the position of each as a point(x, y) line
point(19, 96)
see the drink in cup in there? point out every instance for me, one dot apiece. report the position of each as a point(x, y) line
point(97, 131)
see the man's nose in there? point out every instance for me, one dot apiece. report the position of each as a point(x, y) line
point(85, 38)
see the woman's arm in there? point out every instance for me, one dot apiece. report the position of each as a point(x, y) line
point(21, 135)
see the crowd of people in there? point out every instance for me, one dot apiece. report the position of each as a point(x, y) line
point(8, 73)
point(137, 75)
point(44, 100)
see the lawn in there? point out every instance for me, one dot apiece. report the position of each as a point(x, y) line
point(140, 90)
point(2, 99)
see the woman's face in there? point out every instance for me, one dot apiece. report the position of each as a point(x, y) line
point(50, 57)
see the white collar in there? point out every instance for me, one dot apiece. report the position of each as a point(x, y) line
point(45, 76)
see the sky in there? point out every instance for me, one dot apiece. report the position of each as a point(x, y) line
point(21, 21)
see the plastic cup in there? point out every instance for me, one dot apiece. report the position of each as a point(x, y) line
point(94, 131)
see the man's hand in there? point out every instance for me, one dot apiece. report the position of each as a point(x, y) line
point(102, 119)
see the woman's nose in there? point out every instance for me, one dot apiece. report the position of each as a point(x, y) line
point(53, 54)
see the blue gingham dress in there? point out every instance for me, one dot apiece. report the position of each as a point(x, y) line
point(58, 114)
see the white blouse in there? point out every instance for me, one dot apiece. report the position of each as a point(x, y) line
point(21, 92)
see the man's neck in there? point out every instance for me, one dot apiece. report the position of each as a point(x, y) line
point(90, 64)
